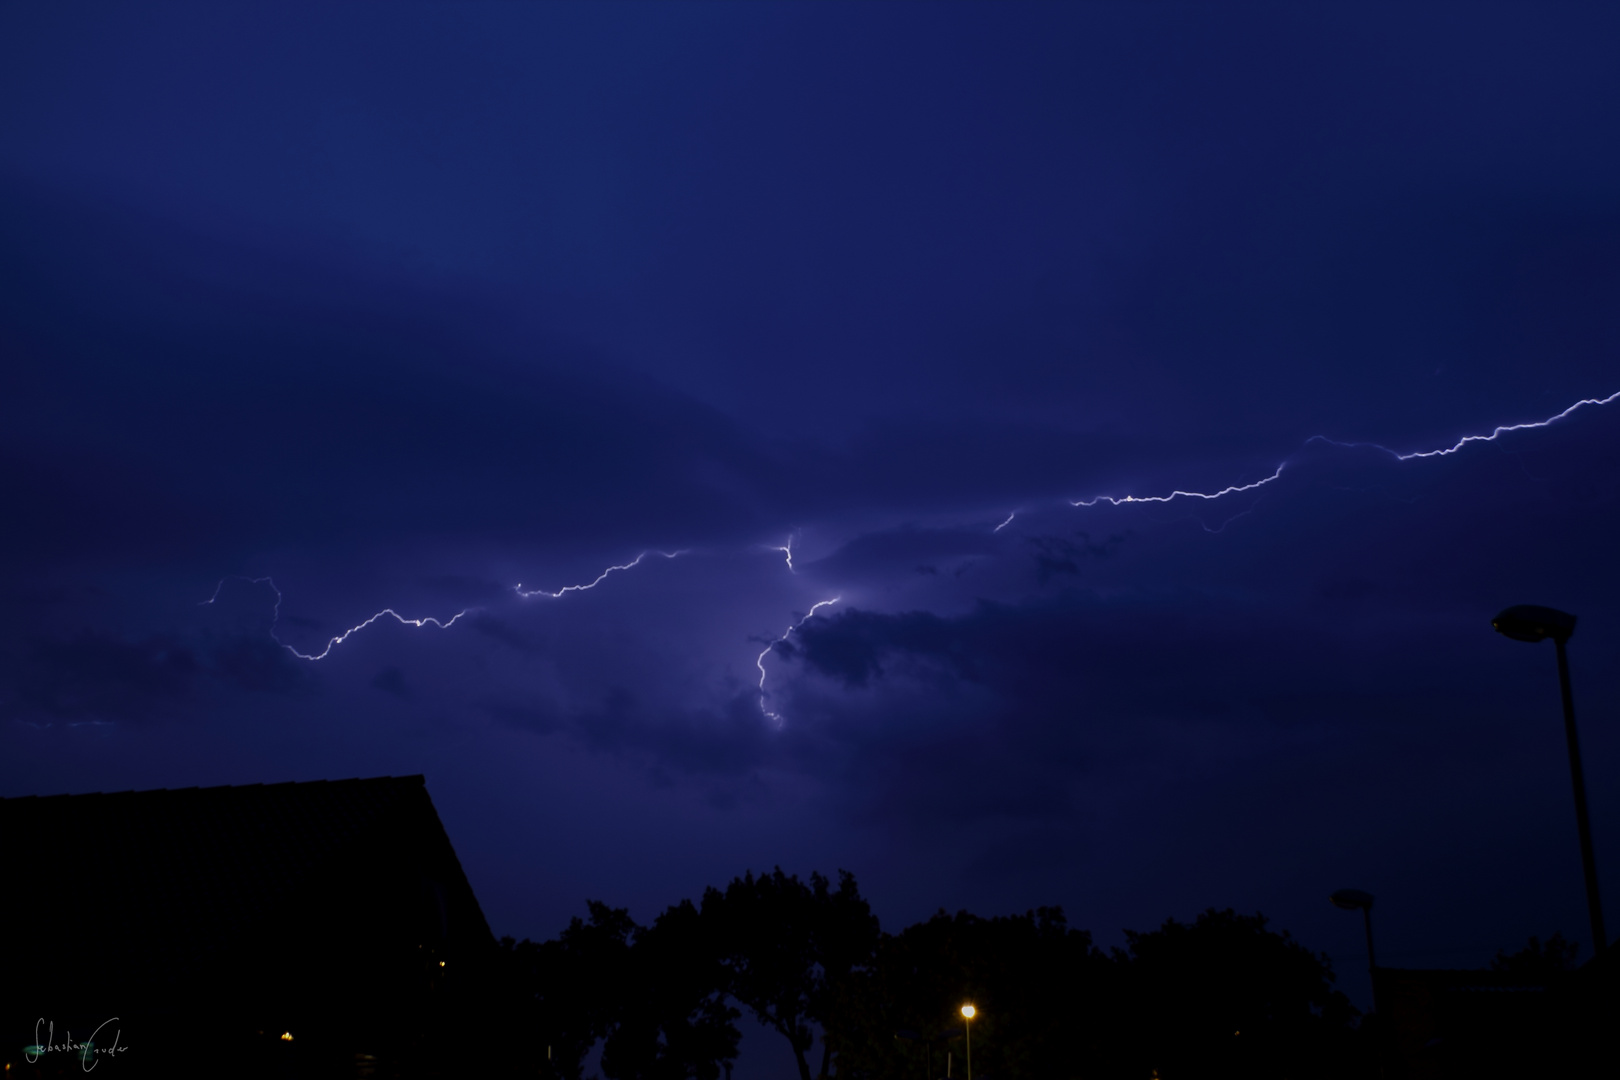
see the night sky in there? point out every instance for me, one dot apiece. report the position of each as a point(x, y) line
point(314, 312)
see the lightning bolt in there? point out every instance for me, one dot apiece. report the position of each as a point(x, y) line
point(332, 643)
point(603, 576)
point(759, 661)
point(1233, 489)
point(341, 638)
point(1503, 429)
point(787, 549)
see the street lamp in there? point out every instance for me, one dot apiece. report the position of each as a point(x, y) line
point(1528, 622)
point(1356, 900)
point(968, 1013)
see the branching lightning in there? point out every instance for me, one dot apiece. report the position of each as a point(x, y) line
point(332, 643)
point(526, 594)
point(787, 549)
point(443, 624)
point(759, 661)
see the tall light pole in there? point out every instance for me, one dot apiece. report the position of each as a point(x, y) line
point(968, 1013)
point(1356, 900)
point(1528, 622)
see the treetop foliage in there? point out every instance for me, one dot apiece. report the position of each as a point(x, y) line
point(1222, 996)
point(1539, 961)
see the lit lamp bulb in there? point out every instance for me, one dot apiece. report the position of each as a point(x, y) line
point(969, 1011)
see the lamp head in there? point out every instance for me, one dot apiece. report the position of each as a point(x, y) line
point(969, 1011)
point(1530, 622)
point(1352, 900)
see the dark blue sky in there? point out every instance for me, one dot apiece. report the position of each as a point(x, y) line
point(406, 308)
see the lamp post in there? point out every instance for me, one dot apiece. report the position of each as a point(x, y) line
point(968, 1013)
point(1528, 622)
point(1356, 900)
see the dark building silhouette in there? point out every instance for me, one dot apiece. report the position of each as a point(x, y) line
point(319, 929)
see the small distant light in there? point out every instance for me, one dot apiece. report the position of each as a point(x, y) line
point(441, 963)
point(969, 1011)
point(286, 1036)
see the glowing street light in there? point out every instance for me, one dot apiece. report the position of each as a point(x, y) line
point(1529, 622)
point(968, 1013)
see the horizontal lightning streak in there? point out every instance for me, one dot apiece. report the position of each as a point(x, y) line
point(1503, 429)
point(599, 577)
point(1233, 489)
point(787, 549)
point(341, 638)
point(759, 661)
point(1178, 494)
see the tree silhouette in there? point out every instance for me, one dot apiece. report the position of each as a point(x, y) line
point(1225, 996)
point(1539, 961)
point(672, 1022)
point(1044, 998)
point(791, 950)
point(570, 986)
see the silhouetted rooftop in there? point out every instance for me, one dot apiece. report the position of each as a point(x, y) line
point(175, 893)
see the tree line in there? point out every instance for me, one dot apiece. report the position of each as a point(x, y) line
point(1224, 995)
